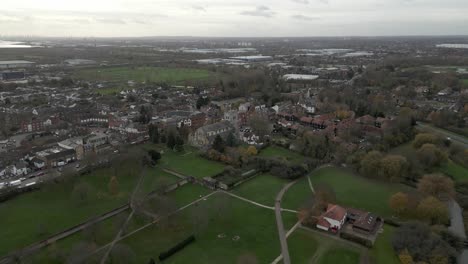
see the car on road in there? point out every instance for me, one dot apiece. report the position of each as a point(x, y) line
point(15, 183)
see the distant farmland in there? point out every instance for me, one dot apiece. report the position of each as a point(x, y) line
point(146, 74)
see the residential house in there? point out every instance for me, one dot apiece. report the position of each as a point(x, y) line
point(333, 219)
point(364, 222)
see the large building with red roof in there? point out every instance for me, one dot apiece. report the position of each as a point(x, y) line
point(333, 219)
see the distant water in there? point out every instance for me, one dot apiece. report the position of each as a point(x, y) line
point(453, 46)
point(13, 44)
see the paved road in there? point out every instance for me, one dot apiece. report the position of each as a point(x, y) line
point(457, 227)
point(456, 219)
point(455, 137)
point(279, 223)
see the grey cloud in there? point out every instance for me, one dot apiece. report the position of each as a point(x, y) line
point(260, 11)
point(111, 21)
point(302, 17)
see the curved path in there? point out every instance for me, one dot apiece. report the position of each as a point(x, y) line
point(279, 223)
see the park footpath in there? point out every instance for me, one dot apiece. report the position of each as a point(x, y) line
point(17, 255)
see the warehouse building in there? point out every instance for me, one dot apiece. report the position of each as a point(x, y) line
point(16, 64)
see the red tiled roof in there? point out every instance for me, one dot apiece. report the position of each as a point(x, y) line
point(322, 222)
point(306, 119)
point(335, 212)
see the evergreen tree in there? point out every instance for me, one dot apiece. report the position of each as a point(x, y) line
point(154, 134)
point(171, 141)
point(231, 140)
point(218, 144)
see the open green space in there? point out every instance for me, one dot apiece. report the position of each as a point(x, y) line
point(279, 152)
point(102, 233)
point(156, 177)
point(455, 171)
point(307, 247)
point(383, 252)
point(302, 246)
point(215, 223)
point(465, 81)
point(298, 195)
point(36, 215)
point(261, 189)
point(145, 74)
point(187, 162)
point(98, 235)
point(356, 191)
point(340, 255)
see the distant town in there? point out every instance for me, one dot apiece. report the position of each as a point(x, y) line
point(234, 150)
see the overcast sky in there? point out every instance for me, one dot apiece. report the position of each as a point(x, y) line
point(108, 18)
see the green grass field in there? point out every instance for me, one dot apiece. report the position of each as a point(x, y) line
point(171, 76)
point(256, 228)
point(261, 189)
point(455, 171)
point(36, 215)
point(302, 246)
point(105, 231)
point(279, 152)
point(308, 247)
point(298, 195)
point(355, 191)
point(465, 81)
point(383, 252)
point(102, 234)
point(156, 177)
point(187, 162)
point(340, 255)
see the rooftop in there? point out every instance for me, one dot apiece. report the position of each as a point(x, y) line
point(16, 62)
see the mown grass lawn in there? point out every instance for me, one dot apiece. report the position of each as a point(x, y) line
point(340, 255)
point(105, 231)
point(261, 189)
point(33, 216)
point(307, 247)
point(279, 152)
point(156, 177)
point(302, 246)
point(59, 252)
point(298, 195)
point(455, 171)
point(145, 74)
point(356, 191)
point(188, 162)
point(223, 215)
point(465, 81)
point(383, 252)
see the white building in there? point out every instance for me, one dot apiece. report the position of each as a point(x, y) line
point(333, 219)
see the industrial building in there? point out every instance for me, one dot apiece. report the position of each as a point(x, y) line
point(12, 75)
point(16, 64)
